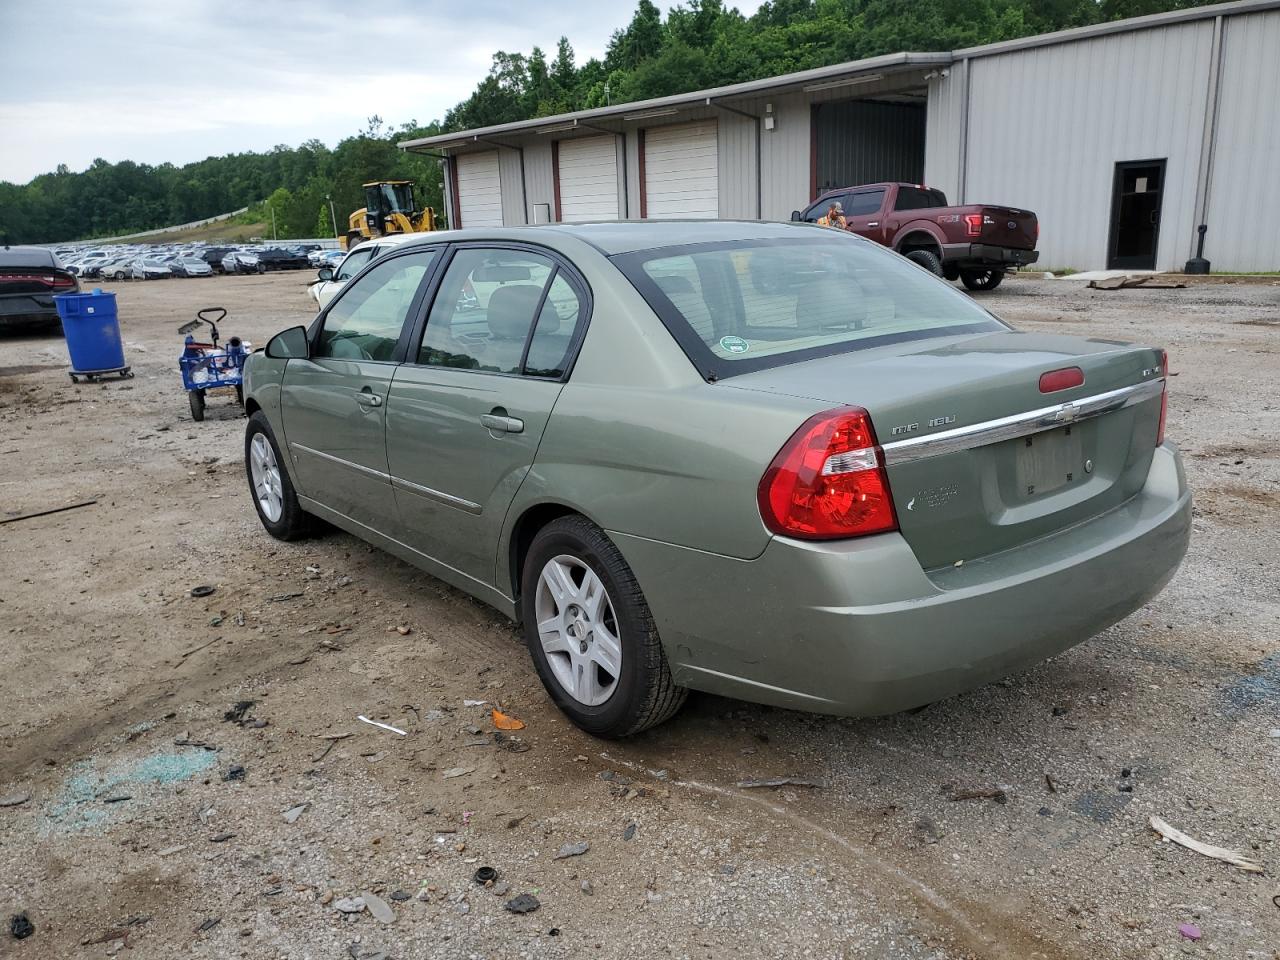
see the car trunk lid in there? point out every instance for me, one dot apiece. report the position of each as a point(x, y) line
point(979, 460)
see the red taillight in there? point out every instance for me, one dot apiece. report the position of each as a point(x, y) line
point(973, 222)
point(1164, 396)
point(47, 279)
point(1063, 379)
point(828, 481)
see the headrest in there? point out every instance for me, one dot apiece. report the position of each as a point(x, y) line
point(511, 310)
point(674, 286)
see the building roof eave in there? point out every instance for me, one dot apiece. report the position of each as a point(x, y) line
point(894, 62)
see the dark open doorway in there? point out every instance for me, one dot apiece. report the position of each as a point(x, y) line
point(1135, 215)
point(866, 141)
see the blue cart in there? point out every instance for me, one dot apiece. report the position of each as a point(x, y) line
point(206, 366)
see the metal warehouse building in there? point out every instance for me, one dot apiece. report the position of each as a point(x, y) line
point(1122, 137)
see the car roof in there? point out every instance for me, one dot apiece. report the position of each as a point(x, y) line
point(27, 257)
point(627, 236)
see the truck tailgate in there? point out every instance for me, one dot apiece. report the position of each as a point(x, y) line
point(1008, 227)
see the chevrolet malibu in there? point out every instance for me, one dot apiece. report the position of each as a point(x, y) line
point(850, 490)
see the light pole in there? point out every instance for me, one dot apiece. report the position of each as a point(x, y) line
point(333, 217)
point(274, 236)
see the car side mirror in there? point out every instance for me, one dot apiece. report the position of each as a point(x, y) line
point(326, 273)
point(795, 215)
point(289, 344)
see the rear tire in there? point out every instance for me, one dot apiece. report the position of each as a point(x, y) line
point(196, 399)
point(928, 260)
point(981, 279)
point(354, 240)
point(643, 692)
point(292, 523)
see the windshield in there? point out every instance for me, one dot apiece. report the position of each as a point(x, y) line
point(397, 197)
point(748, 305)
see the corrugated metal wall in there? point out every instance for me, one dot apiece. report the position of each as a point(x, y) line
point(538, 176)
point(1244, 188)
point(865, 141)
point(1128, 96)
point(512, 188)
point(737, 167)
point(942, 130)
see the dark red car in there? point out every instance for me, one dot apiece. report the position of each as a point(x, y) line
point(975, 243)
point(29, 277)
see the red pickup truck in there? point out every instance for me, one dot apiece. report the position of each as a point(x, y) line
point(975, 243)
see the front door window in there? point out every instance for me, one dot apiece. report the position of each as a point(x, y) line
point(365, 321)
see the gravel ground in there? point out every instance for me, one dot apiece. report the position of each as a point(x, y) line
point(141, 833)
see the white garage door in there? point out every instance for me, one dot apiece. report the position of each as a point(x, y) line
point(588, 179)
point(680, 172)
point(479, 190)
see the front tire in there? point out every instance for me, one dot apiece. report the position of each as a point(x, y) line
point(196, 399)
point(591, 634)
point(273, 495)
point(981, 279)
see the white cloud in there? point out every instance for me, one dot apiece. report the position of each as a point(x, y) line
point(153, 81)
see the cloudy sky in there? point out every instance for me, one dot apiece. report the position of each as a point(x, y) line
point(154, 81)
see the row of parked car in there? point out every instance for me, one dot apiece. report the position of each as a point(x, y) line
point(154, 262)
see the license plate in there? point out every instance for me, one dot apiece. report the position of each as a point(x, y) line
point(1048, 461)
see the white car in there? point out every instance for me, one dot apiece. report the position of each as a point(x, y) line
point(239, 261)
point(149, 268)
point(327, 287)
point(326, 258)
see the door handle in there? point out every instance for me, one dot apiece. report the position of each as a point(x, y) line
point(368, 399)
point(873, 223)
point(501, 423)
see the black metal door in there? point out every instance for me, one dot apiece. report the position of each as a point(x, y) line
point(1135, 215)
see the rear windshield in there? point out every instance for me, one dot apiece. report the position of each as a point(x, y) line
point(749, 305)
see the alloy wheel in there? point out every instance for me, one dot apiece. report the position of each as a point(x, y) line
point(265, 473)
point(578, 630)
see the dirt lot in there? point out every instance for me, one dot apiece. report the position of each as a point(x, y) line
point(139, 832)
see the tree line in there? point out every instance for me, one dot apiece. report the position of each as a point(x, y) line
point(698, 44)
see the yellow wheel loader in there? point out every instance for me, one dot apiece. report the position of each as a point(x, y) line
point(389, 208)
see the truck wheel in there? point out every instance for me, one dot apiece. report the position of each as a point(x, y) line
point(927, 259)
point(354, 240)
point(981, 279)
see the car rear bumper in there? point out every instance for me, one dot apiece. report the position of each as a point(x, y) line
point(858, 628)
point(985, 254)
point(27, 308)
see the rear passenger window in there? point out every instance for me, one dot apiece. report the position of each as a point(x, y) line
point(913, 198)
point(553, 336)
point(863, 204)
point(483, 315)
point(353, 263)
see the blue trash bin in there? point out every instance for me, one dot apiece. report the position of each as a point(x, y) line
point(92, 331)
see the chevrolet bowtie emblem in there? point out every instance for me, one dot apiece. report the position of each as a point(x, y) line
point(1066, 414)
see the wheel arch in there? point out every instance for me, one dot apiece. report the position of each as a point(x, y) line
point(918, 237)
point(531, 519)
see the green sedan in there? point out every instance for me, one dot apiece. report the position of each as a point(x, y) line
point(769, 461)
